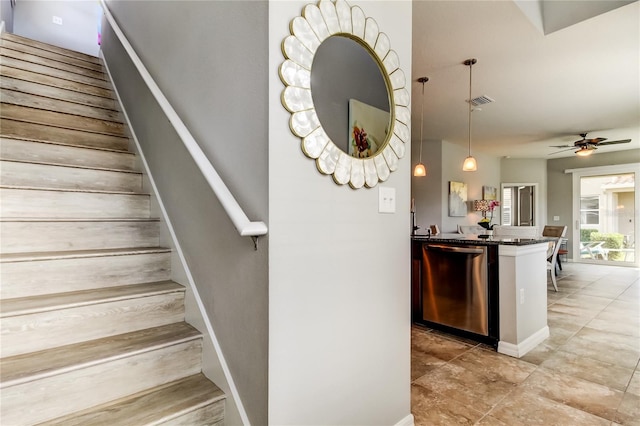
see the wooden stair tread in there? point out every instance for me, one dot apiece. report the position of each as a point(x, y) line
point(52, 302)
point(32, 366)
point(26, 129)
point(15, 61)
point(88, 219)
point(70, 166)
point(154, 406)
point(91, 191)
point(75, 254)
point(17, 72)
point(34, 174)
point(11, 94)
point(50, 47)
point(47, 91)
point(48, 54)
point(52, 63)
point(63, 120)
point(33, 201)
point(62, 144)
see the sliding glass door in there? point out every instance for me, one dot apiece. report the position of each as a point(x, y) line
point(605, 213)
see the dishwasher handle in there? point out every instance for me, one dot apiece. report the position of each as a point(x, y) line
point(450, 249)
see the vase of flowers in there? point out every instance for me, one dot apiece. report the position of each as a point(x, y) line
point(485, 222)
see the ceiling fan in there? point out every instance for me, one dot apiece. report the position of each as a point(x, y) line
point(587, 146)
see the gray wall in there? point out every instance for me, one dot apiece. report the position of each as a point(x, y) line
point(79, 29)
point(6, 15)
point(560, 184)
point(210, 59)
point(431, 193)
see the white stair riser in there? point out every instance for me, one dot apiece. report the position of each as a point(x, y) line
point(62, 204)
point(44, 330)
point(23, 237)
point(34, 175)
point(76, 390)
point(15, 149)
point(42, 132)
point(22, 279)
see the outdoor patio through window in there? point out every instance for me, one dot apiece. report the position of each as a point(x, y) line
point(607, 229)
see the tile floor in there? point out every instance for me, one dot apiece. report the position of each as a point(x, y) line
point(585, 373)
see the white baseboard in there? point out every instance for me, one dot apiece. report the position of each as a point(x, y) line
point(407, 421)
point(525, 346)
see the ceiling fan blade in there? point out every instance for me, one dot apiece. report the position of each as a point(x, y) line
point(615, 142)
point(593, 141)
point(564, 150)
point(561, 146)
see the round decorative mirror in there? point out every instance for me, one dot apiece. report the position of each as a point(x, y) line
point(346, 93)
point(350, 96)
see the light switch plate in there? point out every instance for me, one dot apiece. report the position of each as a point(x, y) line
point(386, 200)
point(556, 218)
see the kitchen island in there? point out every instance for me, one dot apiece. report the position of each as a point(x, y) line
point(492, 290)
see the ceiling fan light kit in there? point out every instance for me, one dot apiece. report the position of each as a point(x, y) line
point(420, 170)
point(585, 152)
point(470, 164)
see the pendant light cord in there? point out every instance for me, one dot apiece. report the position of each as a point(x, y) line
point(422, 80)
point(470, 164)
point(420, 170)
point(470, 72)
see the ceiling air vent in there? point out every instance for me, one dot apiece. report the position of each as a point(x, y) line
point(481, 100)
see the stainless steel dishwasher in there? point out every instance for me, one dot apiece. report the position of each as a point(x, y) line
point(455, 287)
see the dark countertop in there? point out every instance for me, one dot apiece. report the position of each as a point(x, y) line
point(468, 239)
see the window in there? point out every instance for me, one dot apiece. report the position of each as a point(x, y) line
point(590, 210)
point(506, 206)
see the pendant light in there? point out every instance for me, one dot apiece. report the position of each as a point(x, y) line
point(420, 170)
point(470, 164)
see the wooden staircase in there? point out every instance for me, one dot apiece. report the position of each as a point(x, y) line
point(92, 327)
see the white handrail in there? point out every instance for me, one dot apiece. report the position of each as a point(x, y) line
point(245, 227)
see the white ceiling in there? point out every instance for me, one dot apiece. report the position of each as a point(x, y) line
point(584, 77)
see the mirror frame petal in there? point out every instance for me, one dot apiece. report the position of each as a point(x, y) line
point(324, 20)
